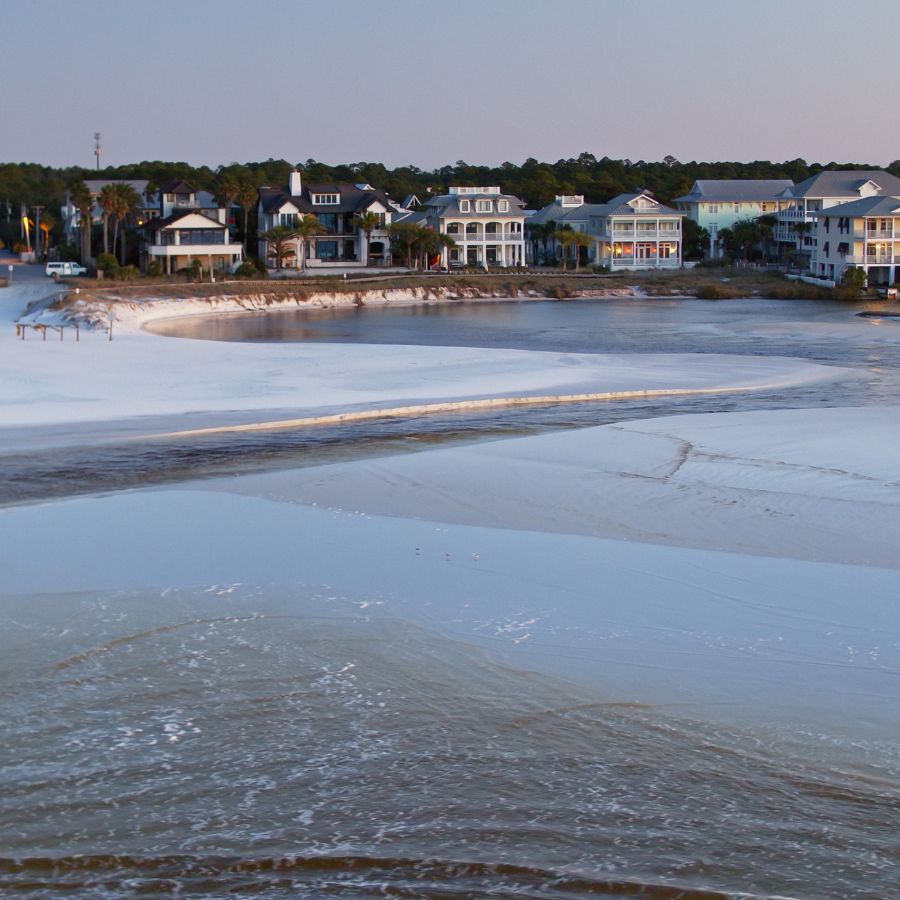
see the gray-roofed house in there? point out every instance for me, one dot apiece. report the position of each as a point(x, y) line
point(719, 203)
point(541, 248)
point(631, 231)
point(486, 224)
point(188, 225)
point(863, 234)
point(336, 208)
point(797, 226)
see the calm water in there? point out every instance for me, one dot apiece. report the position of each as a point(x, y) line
point(285, 740)
point(585, 326)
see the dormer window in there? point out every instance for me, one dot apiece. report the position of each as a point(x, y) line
point(503, 206)
point(465, 205)
point(483, 206)
point(326, 199)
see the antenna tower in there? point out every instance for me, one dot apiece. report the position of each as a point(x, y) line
point(97, 148)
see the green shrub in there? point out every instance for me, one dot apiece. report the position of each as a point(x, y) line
point(154, 268)
point(127, 273)
point(718, 262)
point(108, 265)
point(717, 292)
point(247, 270)
point(558, 292)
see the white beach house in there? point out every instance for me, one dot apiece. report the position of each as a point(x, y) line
point(864, 234)
point(487, 225)
point(796, 228)
point(631, 231)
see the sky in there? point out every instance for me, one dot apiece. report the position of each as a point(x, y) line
point(431, 82)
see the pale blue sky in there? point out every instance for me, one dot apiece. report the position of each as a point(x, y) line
point(428, 82)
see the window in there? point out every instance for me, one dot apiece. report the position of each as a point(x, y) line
point(328, 221)
point(326, 249)
point(201, 236)
point(465, 205)
point(737, 207)
point(326, 199)
point(713, 208)
point(482, 206)
point(288, 219)
point(453, 228)
point(503, 206)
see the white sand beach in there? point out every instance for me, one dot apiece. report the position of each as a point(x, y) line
point(745, 561)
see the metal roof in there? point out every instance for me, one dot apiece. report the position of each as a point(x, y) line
point(844, 183)
point(867, 206)
point(734, 190)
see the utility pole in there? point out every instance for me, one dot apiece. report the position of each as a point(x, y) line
point(97, 148)
point(37, 232)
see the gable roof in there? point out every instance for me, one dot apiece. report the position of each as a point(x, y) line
point(351, 198)
point(844, 183)
point(95, 185)
point(158, 224)
point(178, 186)
point(867, 206)
point(448, 204)
point(733, 190)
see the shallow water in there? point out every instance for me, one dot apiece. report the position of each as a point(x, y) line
point(283, 742)
point(294, 740)
point(586, 326)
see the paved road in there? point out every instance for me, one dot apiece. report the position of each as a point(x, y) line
point(28, 283)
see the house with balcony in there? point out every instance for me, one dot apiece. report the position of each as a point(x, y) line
point(487, 226)
point(631, 231)
point(715, 204)
point(336, 208)
point(188, 228)
point(796, 230)
point(863, 234)
point(541, 247)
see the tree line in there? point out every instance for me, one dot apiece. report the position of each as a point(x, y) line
point(536, 183)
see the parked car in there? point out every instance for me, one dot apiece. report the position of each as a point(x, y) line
point(64, 269)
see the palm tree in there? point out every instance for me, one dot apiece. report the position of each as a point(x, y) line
point(308, 227)
point(579, 240)
point(108, 202)
point(766, 225)
point(226, 190)
point(565, 237)
point(128, 201)
point(367, 222)
point(279, 237)
point(406, 233)
point(725, 237)
point(84, 203)
point(445, 242)
point(247, 198)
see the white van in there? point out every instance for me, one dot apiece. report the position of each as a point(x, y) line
point(64, 269)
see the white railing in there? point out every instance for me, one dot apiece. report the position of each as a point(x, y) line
point(883, 259)
point(487, 238)
point(632, 262)
point(873, 235)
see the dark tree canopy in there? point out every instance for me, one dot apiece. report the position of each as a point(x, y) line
point(537, 183)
